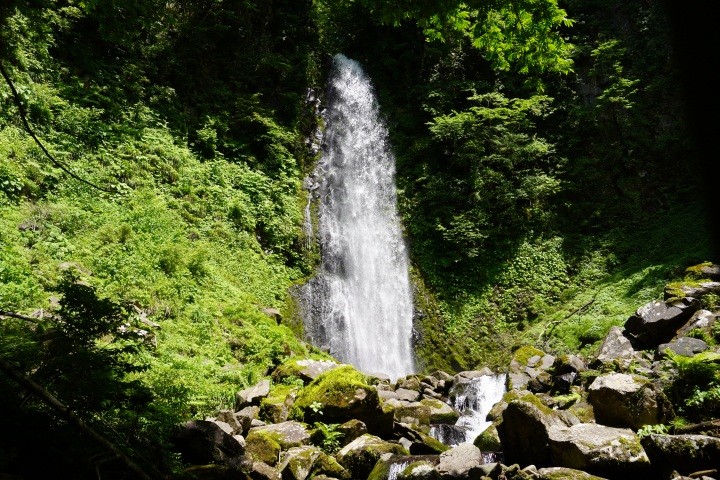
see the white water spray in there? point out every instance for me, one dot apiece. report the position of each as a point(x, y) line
point(473, 400)
point(360, 305)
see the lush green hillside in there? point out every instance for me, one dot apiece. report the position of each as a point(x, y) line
point(544, 166)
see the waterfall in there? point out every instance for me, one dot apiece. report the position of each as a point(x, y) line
point(473, 400)
point(359, 306)
point(396, 468)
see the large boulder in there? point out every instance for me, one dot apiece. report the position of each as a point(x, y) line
point(419, 470)
point(300, 463)
point(459, 461)
point(265, 443)
point(263, 471)
point(682, 453)
point(440, 412)
point(685, 346)
point(628, 401)
point(703, 271)
point(418, 443)
point(297, 462)
point(702, 319)
point(343, 394)
point(601, 450)
point(275, 407)
point(252, 395)
point(201, 441)
point(617, 347)
point(524, 429)
point(360, 455)
point(237, 423)
point(404, 467)
point(658, 321)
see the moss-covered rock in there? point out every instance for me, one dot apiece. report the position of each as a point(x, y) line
point(523, 430)
point(597, 449)
point(440, 412)
point(263, 446)
point(360, 455)
point(328, 465)
point(682, 453)
point(306, 369)
point(275, 408)
point(488, 440)
point(266, 443)
point(412, 413)
point(297, 462)
point(420, 470)
point(522, 355)
point(622, 400)
point(339, 395)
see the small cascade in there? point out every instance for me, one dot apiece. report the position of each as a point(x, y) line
point(473, 401)
point(359, 307)
point(396, 468)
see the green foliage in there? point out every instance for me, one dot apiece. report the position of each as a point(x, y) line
point(696, 388)
point(327, 437)
point(523, 36)
point(646, 430)
point(710, 301)
point(502, 175)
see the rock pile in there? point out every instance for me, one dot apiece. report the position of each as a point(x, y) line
point(561, 416)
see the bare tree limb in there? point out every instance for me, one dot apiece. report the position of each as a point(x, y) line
point(23, 116)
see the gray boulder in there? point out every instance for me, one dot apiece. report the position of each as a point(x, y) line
point(524, 429)
point(601, 450)
point(236, 422)
point(263, 471)
point(658, 321)
point(297, 462)
point(683, 453)
point(702, 319)
point(685, 346)
point(616, 347)
point(351, 430)
point(459, 461)
point(265, 443)
point(360, 455)
point(252, 395)
point(628, 401)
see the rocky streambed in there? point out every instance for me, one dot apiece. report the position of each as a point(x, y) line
point(643, 407)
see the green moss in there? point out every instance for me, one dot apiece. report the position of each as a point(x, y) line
point(632, 446)
point(695, 271)
point(263, 446)
point(525, 353)
point(380, 471)
point(327, 465)
point(488, 440)
point(275, 407)
point(335, 387)
point(525, 396)
point(583, 411)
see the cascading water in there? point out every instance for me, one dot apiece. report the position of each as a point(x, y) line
point(360, 304)
point(473, 400)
